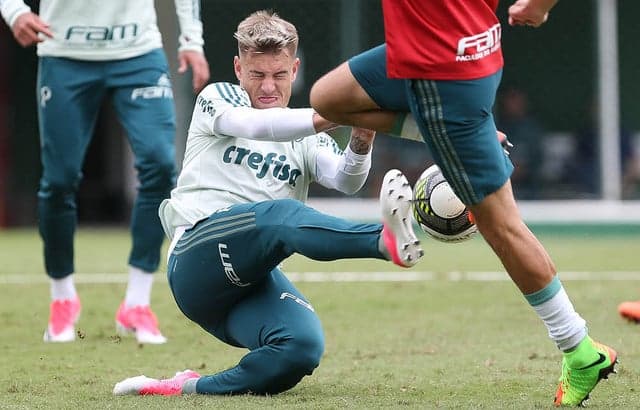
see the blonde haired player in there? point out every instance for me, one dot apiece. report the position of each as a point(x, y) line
point(237, 212)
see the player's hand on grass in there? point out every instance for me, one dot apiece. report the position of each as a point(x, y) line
point(27, 29)
point(530, 12)
point(199, 68)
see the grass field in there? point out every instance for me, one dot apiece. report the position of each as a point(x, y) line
point(456, 338)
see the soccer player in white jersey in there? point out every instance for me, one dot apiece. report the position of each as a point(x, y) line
point(237, 213)
point(90, 50)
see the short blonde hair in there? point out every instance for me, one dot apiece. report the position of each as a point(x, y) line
point(264, 31)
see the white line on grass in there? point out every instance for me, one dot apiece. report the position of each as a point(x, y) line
point(408, 276)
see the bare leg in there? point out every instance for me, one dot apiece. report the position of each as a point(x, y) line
point(338, 97)
point(522, 255)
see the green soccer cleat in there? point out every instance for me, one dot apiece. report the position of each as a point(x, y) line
point(582, 369)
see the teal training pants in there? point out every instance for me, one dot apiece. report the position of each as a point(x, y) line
point(224, 276)
point(70, 94)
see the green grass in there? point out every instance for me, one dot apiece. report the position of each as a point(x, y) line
point(430, 344)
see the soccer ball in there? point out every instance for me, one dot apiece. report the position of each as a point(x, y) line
point(438, 210)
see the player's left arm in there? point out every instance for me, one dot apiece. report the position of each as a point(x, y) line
point(190, 51)
point(346, 171)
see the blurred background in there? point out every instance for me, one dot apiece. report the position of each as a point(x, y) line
point(568, 102)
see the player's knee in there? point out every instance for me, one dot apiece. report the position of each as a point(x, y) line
point(299, 357)
point(157, 173)
point(335, 95)
point(328, 107)
point(166, 171)
point(62, 183)
point(318, 97)
point(497, 215)
point(305, 353)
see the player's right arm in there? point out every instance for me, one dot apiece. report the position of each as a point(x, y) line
point(530, 12)
point(224, 109)
point(25, 25)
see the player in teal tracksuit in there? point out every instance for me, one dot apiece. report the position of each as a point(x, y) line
point(238, 212)
point(91, 51)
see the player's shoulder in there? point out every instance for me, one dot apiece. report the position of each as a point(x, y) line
point(226, 93)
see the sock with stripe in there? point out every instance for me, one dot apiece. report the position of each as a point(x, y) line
point(565, 326)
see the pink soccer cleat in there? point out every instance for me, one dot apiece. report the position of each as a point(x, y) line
point(397, 234)
point(63, 315)
point(144, 385)
point(140, 321)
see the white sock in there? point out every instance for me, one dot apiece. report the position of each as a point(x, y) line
point(566, 327)
point(63, 288)
point(138, 288)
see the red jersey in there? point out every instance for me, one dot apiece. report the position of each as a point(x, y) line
point(442, 39)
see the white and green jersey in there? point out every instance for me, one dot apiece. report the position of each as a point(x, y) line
point(99, 30)
point(237, 154)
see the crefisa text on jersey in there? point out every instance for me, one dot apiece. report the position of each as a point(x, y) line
point(262, 163)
